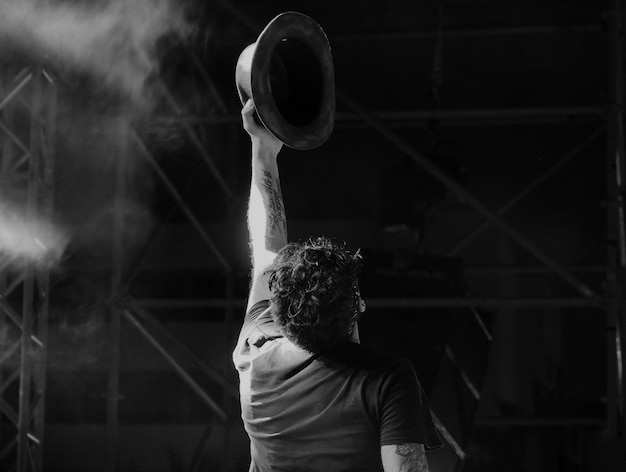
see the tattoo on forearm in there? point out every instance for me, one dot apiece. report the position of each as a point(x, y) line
point(275, 207)
point(413, 458)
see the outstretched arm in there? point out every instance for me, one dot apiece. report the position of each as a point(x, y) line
point(408, 457)
point(267, 225)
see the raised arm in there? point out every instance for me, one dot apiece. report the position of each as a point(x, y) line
point(267, 225)
point(408, 457)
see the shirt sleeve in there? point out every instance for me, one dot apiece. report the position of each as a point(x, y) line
point(258, 328)
point(406, 415)
point(254, 312)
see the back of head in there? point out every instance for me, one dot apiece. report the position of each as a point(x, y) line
point(314, 289)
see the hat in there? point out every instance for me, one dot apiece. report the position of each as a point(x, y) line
point(288, 72)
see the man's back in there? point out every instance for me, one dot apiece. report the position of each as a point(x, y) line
point(328, 412)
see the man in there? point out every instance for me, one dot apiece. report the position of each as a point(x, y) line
point(312, 397)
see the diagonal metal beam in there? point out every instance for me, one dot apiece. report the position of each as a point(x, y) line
point(14, 375)
point(462, 373)
point(521, 195)
point(458, 450)
point(183, 206)
point(135, 264)
point(196, 142)
point(6, 355)
point(150, 320)
point(19, 278)
point(8, 411)
point(185, 376)
point(11, 313)
point(21, 84)
point(18, 142)
point(465, 195)
point(10, 445)
point(26, 153)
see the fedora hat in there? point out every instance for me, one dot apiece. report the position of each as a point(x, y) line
point(288, 72)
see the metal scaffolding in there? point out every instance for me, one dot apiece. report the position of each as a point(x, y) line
point(27, 130)
point(27, 127)
point(616, 230)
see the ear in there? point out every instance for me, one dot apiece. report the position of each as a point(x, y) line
point(362, 305)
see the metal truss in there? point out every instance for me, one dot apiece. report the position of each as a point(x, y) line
point(616, 227)
point(27, 129)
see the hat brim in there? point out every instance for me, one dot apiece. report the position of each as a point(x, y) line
point(296, 27)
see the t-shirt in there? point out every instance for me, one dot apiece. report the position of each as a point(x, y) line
point(330, 412)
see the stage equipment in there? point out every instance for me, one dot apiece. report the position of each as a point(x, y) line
point(289, 73)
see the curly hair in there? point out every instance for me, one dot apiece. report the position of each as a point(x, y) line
point(314, 288)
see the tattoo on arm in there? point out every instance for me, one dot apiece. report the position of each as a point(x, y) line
point(413, 458)
point(275, 207)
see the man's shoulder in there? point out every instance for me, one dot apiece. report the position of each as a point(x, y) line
point(257, 333)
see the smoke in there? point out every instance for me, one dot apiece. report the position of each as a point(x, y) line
point(37, 242)
point(113, 40)
point(113, 43)
point(78, 340)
